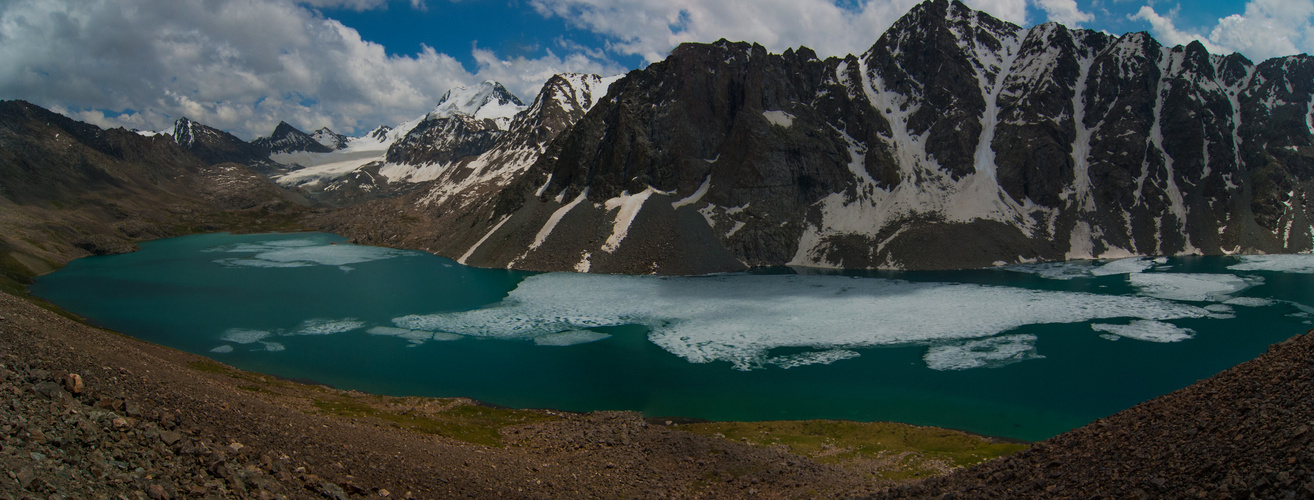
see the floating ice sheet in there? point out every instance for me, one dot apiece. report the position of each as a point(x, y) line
point(739, 318)
point(991, 352)
point(1249, 302)
point(303, 253)
point(321, 326)
point(243, 336)
point(1055, 270)
point(1191, 287)
point(1147, 330)
point(812, 358)
point(1123, 266)
point(573, 337)
point(1286, 263)
point(223, 349)
point(1084, 268)
point(414, 336)
point(273, 346)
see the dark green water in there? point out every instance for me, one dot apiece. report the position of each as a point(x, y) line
point(1025, 352)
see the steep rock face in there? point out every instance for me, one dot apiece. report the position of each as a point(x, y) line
point(216, 146)
point(444, 140)
point(957, 140)
point(288, 139)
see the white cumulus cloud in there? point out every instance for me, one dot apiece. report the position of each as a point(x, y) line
point(240, 65)
point(1267, 28)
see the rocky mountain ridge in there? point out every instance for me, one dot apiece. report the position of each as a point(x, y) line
point(289, 139)
point(957, 140)
point(70, 189)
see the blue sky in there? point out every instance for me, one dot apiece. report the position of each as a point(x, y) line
point(514, 28)
point(244, 65)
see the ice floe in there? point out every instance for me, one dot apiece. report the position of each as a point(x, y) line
point(1123, 266)
point(812, 358)
point(223, 349)
point(1147, 330)
point(321, 326)
point(1191, 287)
point(243, 336)
point(273, 346)
point(739, 318)
point(991, 352)
point(1084, 268)
point(415, 337)
point(303, 253)
point(1055, 270)
point(1249, 302)
point(1286, 263)
point(573, 337)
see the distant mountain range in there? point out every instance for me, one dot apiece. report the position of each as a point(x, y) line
point(957, 140)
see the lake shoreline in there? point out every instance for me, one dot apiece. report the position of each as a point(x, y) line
point(309, 439)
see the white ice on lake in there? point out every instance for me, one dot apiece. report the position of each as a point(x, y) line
point(1285, 263)
point(1191, 287)
point(303, 253)
point(740, 318)
point(1146, 330)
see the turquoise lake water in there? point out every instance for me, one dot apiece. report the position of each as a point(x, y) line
point(1024, 352)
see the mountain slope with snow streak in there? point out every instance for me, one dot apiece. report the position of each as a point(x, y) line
point(958, 140)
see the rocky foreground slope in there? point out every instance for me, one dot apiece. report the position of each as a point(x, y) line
point(1247, 432)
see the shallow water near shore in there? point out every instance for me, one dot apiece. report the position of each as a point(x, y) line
point(1024, 352)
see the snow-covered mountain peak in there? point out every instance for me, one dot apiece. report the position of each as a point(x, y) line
point(487, 99)
point(583, 90)
point(329, 138)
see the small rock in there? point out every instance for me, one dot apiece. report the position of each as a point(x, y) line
point(332, 491)
point(132, 409)
point(383, 492)
point(119, 423)
point(236, 447)
point(108, 404)
point(156, 492)
point(25, 477)
point(49, 389)
point(73, 383)
point(170, 437)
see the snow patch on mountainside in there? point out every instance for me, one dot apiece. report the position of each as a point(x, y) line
point(779, 118)
point(629, 206)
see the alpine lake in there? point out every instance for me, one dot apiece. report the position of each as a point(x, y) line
point(1025, 351)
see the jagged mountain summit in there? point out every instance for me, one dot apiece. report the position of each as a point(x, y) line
point(957, 140)
point(471, 133)
point(487, 100)
point(216, 146)
point(330, 139)
point(289, 139)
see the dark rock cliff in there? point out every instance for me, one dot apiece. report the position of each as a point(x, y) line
point(957, 140)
